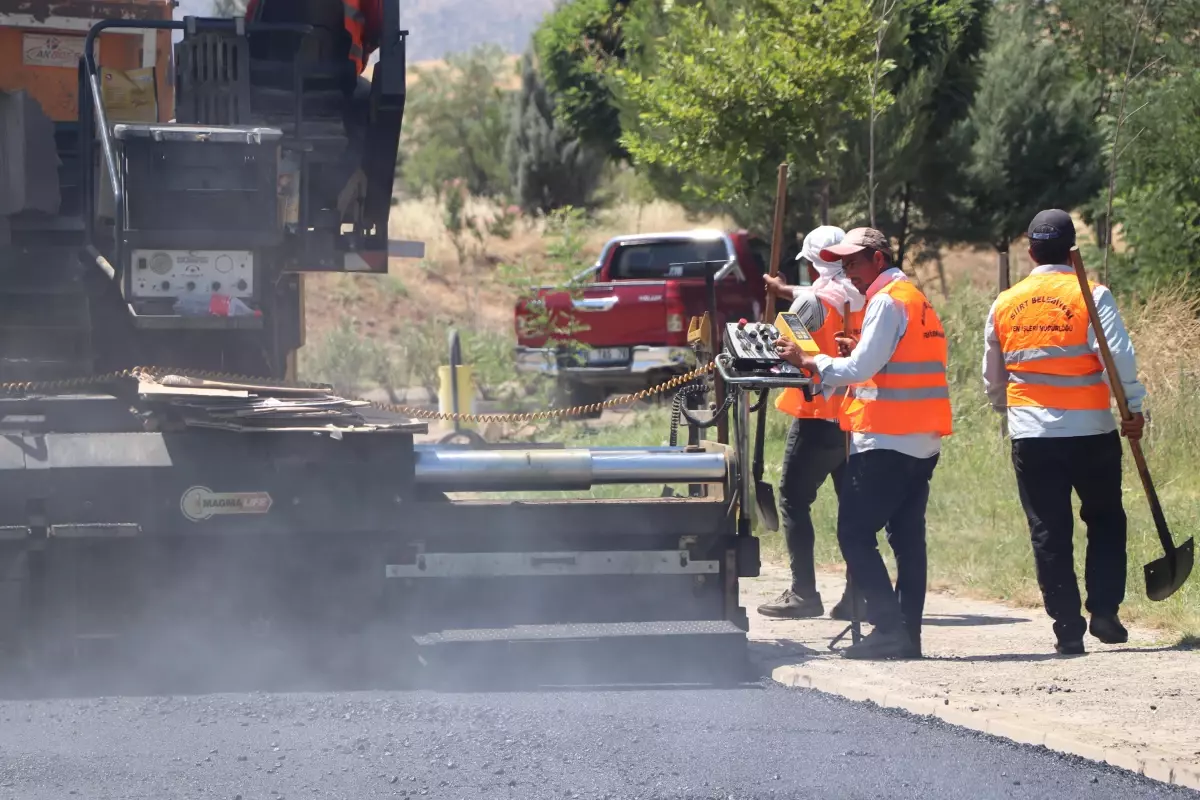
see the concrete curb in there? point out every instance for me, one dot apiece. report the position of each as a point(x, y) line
point(1163, 768)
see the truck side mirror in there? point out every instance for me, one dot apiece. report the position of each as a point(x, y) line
point(731, 267)
point(588, 275)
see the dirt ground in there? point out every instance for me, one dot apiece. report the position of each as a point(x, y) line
point(982, 657)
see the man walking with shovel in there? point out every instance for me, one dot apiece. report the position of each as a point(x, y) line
point(1042, 366)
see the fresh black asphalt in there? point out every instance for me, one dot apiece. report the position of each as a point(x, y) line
point(758, 741)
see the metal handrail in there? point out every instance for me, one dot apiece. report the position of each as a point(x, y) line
point(93, 114)
point(723, 362)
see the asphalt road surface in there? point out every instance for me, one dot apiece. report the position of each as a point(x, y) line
point(761, 741)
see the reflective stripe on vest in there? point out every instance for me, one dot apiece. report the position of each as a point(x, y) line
point(791, 401)
point(909, 395)
point(1042, 326)
point(355, 21)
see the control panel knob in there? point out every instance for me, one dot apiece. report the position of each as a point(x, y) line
point(741, 323)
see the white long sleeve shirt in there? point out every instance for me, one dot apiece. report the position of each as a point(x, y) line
point(1036, 422)
point(884, 323)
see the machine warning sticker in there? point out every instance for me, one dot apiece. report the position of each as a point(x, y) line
point(201, 503)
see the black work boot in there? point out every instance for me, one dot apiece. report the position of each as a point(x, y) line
point(841, 611)
point(915, 637)
point(1069, 647)
point(1108, 629)
point(883, 644)
point(790, 605)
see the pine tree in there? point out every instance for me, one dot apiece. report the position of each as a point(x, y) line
point(1030, 137)
point(934, 47)
point(550, 167)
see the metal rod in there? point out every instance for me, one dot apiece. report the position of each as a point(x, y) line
point(517, 470)
point(714, 327)
point(455, 358)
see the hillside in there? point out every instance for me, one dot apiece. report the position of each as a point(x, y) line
point(439, 27)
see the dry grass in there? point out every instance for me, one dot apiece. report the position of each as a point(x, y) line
point(415, 69)
point(403, 315)
point(440, 288)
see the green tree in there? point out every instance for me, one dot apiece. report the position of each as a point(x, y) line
point(456, 124)
point(550, 167)
point(576, 45)
point(718, 97)
point(1158, 183)
point(935, 48)
point(1030, 140)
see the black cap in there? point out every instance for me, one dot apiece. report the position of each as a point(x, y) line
point(1054, 227)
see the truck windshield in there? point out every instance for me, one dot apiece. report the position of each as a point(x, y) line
point(670, 259)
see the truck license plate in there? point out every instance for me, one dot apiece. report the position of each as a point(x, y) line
point(608, 355)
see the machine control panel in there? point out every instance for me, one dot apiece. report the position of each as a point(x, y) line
point(749, 358)
point(752, 344)
point(176, 273)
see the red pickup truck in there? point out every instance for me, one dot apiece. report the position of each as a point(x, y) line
point(631, 310)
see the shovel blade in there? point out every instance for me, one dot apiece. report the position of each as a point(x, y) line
point(768, 513)
point(1164, 576)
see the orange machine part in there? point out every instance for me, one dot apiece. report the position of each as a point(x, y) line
point(56, 87)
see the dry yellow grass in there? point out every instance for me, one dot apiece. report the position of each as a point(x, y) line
point(440, 288)
point(416, 68)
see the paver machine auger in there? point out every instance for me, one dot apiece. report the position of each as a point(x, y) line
point(154, 513)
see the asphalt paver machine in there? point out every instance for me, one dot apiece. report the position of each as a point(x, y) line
point(168, 492)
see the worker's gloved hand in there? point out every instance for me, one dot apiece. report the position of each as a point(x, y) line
point(845, 343)
point(778, 287)
point(1132, 428)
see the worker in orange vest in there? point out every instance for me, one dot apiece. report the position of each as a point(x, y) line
point(1042, 367)
point(362, 19)
point(897, 414)
point(815, 447)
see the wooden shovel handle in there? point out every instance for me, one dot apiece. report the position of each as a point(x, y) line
point(776, 238)
point(1110, 366)
point(1118, 390)
point(846, 390)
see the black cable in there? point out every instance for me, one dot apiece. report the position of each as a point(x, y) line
point(679, 410)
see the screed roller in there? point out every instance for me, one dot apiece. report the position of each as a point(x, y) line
point(517, 470)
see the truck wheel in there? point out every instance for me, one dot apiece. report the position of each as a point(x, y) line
point(569, 394)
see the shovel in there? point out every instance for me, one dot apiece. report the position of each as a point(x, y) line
point(764, 494)
point(1164, 576)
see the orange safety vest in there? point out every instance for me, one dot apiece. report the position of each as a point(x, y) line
point(791, 401)
point(1042, 326)
point(910, 394)
point(356, 23)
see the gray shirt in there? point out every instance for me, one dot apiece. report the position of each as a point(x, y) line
point(1033, 421)
point(884, 322)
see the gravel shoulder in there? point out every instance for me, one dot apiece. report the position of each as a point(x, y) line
point(986, 659)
